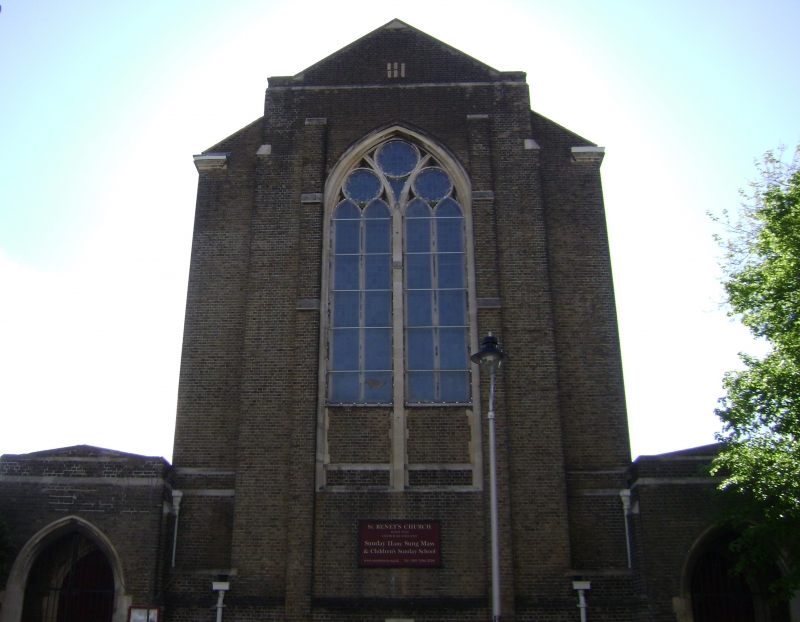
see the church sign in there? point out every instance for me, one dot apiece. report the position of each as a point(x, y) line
point(399, 544)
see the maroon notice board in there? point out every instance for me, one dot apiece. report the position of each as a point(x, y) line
point(399, 543)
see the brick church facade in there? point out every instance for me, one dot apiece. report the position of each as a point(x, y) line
point(396, 202)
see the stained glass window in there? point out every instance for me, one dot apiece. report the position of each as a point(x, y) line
point(437, 331)
point(398, 180)
point(360, 345)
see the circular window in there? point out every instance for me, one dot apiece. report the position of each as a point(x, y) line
point(432, 184)
point(397, 158)
point(362, 185)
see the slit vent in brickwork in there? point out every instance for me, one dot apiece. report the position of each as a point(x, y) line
point(395, 70)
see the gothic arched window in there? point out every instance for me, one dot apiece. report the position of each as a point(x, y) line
point(398, 297)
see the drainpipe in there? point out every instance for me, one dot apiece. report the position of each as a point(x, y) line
point(625, 495)
point(177, 495)
point(581, 587)
point(220, 587)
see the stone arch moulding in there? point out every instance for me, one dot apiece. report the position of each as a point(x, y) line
point(17, 578)
point(682, 603)
point(463, 187)
point(363, 146)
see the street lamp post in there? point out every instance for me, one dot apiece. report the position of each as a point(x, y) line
point(490, 357)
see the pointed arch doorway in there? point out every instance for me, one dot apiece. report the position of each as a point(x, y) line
point(70, 581)
point(721, 595)
point(718, 595)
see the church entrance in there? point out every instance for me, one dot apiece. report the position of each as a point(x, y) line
point(719, 595)
point(71, 581)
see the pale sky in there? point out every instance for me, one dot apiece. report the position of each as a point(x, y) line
point(102, 105)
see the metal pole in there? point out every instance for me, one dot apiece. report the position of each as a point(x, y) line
point(581, 587)
point(496, 604)
point(177, 495)
point(220, 587)
point(625, 495)
point(220, 606)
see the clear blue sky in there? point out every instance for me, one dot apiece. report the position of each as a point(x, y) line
point(102, 105)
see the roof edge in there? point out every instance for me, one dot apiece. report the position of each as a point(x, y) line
point(62, 452)
point(395, 24)
point(216, 147)
point(567, 130)
point(702, 451)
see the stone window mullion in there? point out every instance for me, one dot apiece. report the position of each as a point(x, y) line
point(362, 260)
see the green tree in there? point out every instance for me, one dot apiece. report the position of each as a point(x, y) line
point(760, 412)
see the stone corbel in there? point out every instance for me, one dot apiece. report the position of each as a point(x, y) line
point(588, 154)
point(211, 161)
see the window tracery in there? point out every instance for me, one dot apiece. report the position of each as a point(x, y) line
point(398, 182)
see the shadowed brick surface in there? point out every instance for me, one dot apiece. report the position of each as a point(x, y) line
point(540, 249)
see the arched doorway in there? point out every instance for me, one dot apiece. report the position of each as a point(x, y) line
point(70, 581)
point(719, 595)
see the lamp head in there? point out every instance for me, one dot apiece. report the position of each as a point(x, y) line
point(490, 357)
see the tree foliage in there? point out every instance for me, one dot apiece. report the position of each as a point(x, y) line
point(760, 412)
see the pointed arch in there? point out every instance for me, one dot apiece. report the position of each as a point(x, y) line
point(356, 153)
point(711, 593)
point(434, 175)
point(38, 543)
